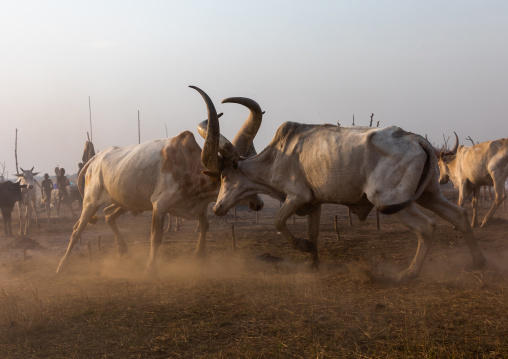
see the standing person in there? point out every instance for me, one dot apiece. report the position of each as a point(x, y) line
point(62, 182)
point(47, 187)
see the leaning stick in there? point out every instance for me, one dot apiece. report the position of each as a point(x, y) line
point(16, 151)
point(139, 129)
point(377, 218)
point(99, 243)
point(233, 237)
point(337, 229)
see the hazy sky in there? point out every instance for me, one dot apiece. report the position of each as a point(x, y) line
point(430, 67)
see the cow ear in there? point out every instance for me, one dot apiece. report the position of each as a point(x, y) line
point(18, 175)
point(211, 174)
point(35, 173)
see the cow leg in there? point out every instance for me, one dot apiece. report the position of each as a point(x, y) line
point(20, 218)
point(8, 222)
point(6, 215)
point(500, 193)
point(111, 215)
point(34, 208)
point(313, 220)
point(87, 213)
point(203, 228)
point(47, 204)
point(155, 240)
point(424, 228)
point(28, 217)
point(458, 217)
point(474, 204)
point(290, 206)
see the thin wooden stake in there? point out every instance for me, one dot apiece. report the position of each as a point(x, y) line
point(99, 243)
point(377, 218)
point(233, 237)
point(139, 129)
point(89, 251)
point(90, 112)
point(350, 219)
point(16, 151)
point(257, 213)
point(337, 229)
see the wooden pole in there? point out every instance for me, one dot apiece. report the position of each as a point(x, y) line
point(166, 130)
point(233, 237)
point(89, 251)
point(377, 218)
point(139, 129)
point(16, 151)
point(337, 229)
point(257, 213)
point(99, 243)
point(350, 219)
point(90, 113)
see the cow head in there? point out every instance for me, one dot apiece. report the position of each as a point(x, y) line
point(445, 159)
point(27, 177)
point(229, 153)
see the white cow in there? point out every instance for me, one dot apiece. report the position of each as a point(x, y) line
point(470, 167)
point(307, 165)
point(162, 176)
point(28, 199)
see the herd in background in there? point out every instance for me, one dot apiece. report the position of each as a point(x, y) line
point(303, 166)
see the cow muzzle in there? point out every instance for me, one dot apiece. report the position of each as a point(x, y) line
point(256, 206)
point(219, 209)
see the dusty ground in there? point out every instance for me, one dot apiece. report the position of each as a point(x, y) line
point(234, 305)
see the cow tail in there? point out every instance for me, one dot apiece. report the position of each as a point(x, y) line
point(428, 172)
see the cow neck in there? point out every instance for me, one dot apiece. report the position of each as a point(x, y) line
point(258, 170)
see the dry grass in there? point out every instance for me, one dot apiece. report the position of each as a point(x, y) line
point(237, 307)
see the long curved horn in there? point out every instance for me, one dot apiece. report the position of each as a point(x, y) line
point(209, 156)
point(245, 136)
point(226, 148)
point(454, 149)
point(32, 169)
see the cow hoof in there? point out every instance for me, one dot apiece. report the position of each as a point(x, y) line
point(200, 255)
point(306, 246)
point(122, 251)
point(151, 272)
point(314, 266)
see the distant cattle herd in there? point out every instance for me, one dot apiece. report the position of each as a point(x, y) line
point(303, 166)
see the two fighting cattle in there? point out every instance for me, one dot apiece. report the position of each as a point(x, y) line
point(164, 176)
point(307, 165)
point(469, 168)
point(10, 193)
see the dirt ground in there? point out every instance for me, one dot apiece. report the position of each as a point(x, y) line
point(235, 305)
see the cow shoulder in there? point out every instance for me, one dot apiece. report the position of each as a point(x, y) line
point(181, 158)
